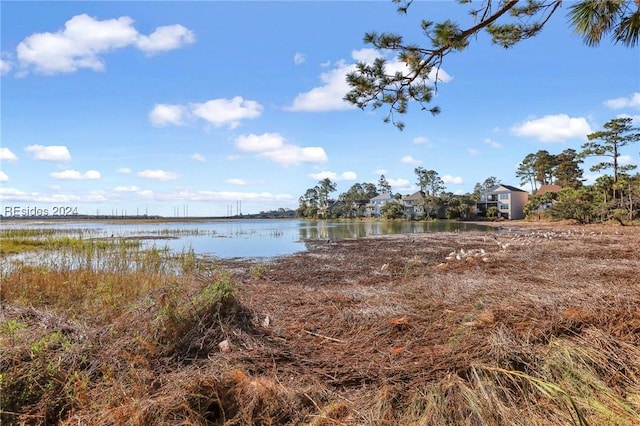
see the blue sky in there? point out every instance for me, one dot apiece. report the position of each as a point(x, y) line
point(166, 107)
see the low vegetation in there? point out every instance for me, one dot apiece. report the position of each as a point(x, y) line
point(519, 327)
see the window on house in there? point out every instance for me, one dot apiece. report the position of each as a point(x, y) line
point(504, 206)
point(504, 196)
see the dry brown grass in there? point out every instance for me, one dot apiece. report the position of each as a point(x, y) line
point(546, 330)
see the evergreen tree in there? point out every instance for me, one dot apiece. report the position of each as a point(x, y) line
point(325, 187)
point(617, 133)
point(544, 166)
point(526, 172)
point(429, 182)
point(488, 183)
point(507, 21)
point(568, 173)
point(309, 203)
point(355, 199)
point(383, 185)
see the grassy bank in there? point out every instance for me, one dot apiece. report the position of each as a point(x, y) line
point(522, 327)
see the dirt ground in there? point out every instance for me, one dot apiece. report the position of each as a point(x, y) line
point(531, 323)
point(406, 310)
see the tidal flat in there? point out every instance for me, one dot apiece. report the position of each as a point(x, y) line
point(538, 323)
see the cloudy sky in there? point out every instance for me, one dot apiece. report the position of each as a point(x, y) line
point(166, 107)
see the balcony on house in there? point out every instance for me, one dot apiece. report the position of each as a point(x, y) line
point(489, 198)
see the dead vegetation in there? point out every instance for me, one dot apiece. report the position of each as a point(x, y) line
point(518, 327)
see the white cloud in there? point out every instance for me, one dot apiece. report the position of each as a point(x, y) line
point(366, 55)
point(290, 155)
point(164, 114)
point(324, 175)
point(624, 160)
point(235, 181)
point(7, 155)
point(234, 196)
point(453, 180)
point(399, 184)
point(473, 152)
point(259, 143)
point(348, 176)
point(407, 159)
point(334, 176)
point(219, 112)
point(381, 172)
point(131, 188)
point(160, 175)
point(226, 112)
point(420, 140)
point(273, 147)
point(440, 75)
point(15, 195)
point(5, 67)
point(299, 58)
point(553, 128)
point(84, 39)
point(165, 38)
point(12, 194)
point(124, 170)
point(92, 174)
point(632, 101)
point(635, 119)
point(492, 143)
point(329, 95)
point(49, 153)
point(198, 157)
point(394, 66)
point(76, 175)
point(3, 176)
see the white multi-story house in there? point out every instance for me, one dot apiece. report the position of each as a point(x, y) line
point(509, 201)
point(376, 203)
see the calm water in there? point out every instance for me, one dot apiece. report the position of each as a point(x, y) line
point(244, 238)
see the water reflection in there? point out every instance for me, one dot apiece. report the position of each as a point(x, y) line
point(241, 238)
point(341, 230)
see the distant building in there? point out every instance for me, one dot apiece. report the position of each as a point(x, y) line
point(546, 195)
point(414, 205)
point(376, 203)
point(544, 189)
point(325, 210)
point(509, 201)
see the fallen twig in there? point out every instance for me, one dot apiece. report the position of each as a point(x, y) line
point(324, 337)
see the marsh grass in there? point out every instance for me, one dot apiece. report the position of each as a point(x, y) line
point(128, 334)
point(96, 317)
point(13, 241)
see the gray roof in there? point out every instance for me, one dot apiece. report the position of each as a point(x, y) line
point(382, 197)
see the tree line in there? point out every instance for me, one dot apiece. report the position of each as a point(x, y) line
point(614, 196)
point(435, 201)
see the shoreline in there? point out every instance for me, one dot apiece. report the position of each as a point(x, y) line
point(506, 327)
